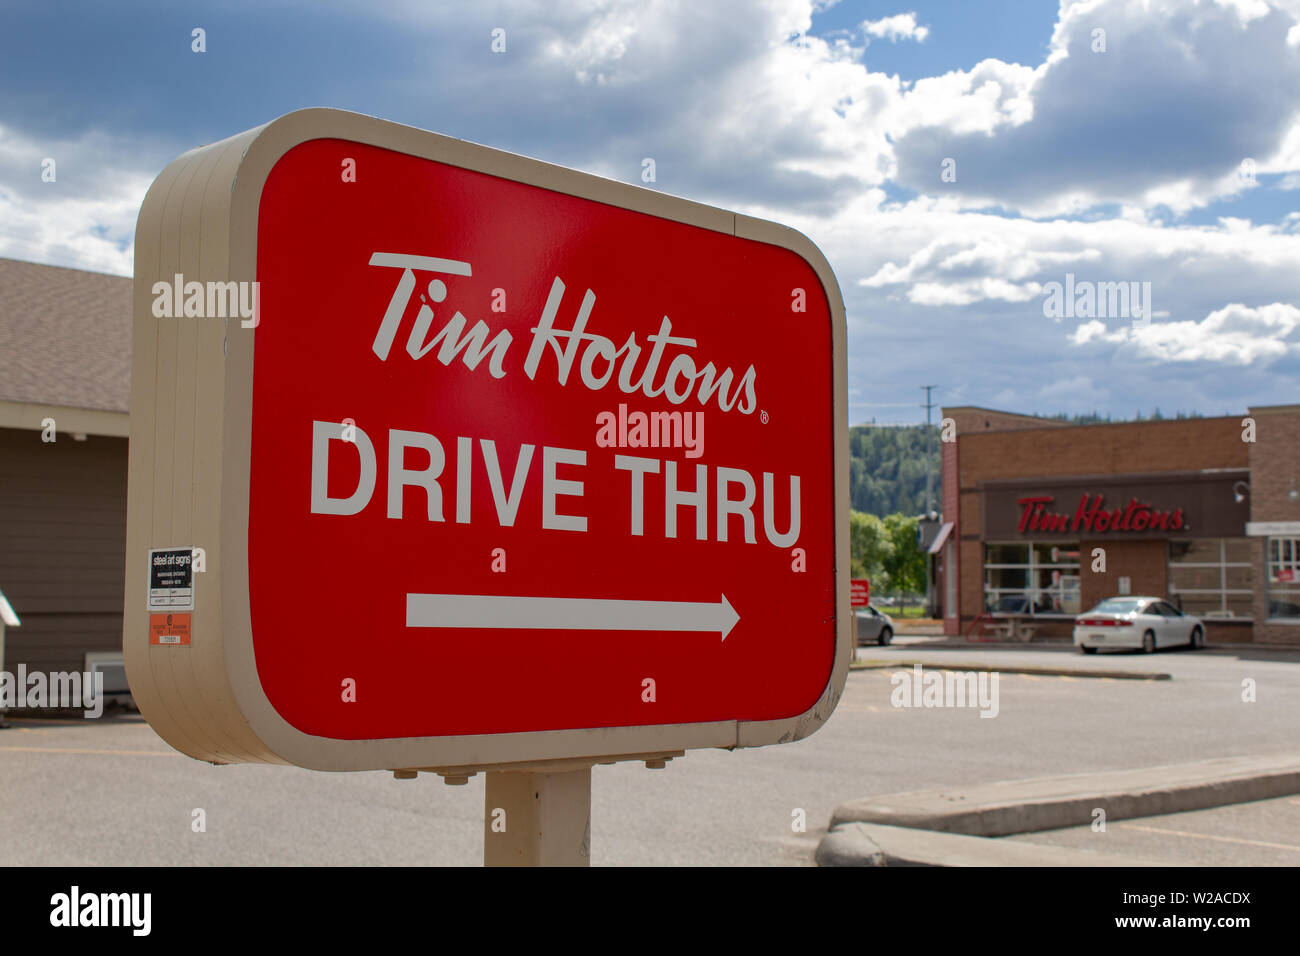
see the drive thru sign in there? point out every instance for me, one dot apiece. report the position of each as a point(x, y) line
point(512, 465)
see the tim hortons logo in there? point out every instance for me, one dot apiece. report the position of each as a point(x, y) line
point(597, 357)
point(1091, 516)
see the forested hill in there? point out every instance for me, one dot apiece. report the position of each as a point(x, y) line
point(887, 467)
point(888, 462)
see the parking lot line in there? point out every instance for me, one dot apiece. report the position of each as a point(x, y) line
point(87, 750)
point(1206, 836)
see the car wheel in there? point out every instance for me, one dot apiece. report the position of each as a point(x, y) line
point(1087, 650)
point(1198, 638)
point(886, 635)
point(1149, 642)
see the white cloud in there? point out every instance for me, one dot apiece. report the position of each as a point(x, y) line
point(86, 217)
point(1182, 94)
point(901, 26)
point(953, 255)
point(1234, 335)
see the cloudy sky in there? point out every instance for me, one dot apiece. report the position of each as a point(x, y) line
point(952, 158)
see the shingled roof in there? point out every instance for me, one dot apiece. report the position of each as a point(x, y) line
point(65, 337)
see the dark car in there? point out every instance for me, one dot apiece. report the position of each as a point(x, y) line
point(1018, 604)
point(1283, 609)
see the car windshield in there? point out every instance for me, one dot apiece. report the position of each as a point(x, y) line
point(1116, 606)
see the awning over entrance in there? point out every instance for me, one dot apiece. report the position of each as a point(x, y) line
point(941, 538)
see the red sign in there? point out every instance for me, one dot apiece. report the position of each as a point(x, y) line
point(521, 459)
point(1091, 516)
point(169, 629)
point(631, 432)
point(859, 592)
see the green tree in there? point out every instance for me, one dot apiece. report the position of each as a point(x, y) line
point(870, 547)
point(905, 565)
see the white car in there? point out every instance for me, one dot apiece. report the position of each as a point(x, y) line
point(1136, 622)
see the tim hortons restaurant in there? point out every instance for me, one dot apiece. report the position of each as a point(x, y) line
point(1043, 519)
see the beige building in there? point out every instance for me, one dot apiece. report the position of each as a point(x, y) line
point(65, 362)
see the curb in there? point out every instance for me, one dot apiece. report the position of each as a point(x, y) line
point(1063, 643)
point(1050, 803)
point(866, 844)
point(1013, 669)
point(850, 844)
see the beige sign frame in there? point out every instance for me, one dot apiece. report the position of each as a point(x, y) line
point(191, 416)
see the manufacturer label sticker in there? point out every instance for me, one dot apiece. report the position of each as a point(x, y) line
point(171, 579)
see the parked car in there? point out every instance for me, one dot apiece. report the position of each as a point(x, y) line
point(874, 625)
point(1148, 623)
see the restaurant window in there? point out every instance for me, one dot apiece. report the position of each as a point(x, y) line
point(1283, 565)
point(1037, 579)
point(1212, 577)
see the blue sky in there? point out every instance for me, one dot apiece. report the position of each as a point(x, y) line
point(1165, 150)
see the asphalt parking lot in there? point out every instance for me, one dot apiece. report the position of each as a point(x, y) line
point(110, 792)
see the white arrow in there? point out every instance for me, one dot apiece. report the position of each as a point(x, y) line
point(569, 614)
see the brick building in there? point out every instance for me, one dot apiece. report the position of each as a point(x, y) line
point(1043, 519)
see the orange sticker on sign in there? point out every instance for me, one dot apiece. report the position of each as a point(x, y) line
point(169, 628)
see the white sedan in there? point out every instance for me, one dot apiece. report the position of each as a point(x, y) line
point(1136, 622)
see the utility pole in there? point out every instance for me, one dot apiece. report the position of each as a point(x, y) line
point(929, 502)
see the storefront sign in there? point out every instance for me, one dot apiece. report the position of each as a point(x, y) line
point(1183, 504)
point(1091, 517)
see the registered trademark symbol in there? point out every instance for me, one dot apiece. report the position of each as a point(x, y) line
point(762, 416)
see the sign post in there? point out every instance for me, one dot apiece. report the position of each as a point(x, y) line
point(485, 465)
point(552, 814)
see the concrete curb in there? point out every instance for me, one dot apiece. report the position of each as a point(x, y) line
point(1014, 669)
point(850, 844)
point(866, 844)
point(1049, 803)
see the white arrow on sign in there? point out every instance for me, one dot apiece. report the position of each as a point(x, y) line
point(569, 614)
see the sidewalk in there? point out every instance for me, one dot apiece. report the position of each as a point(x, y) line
point(957, 823)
